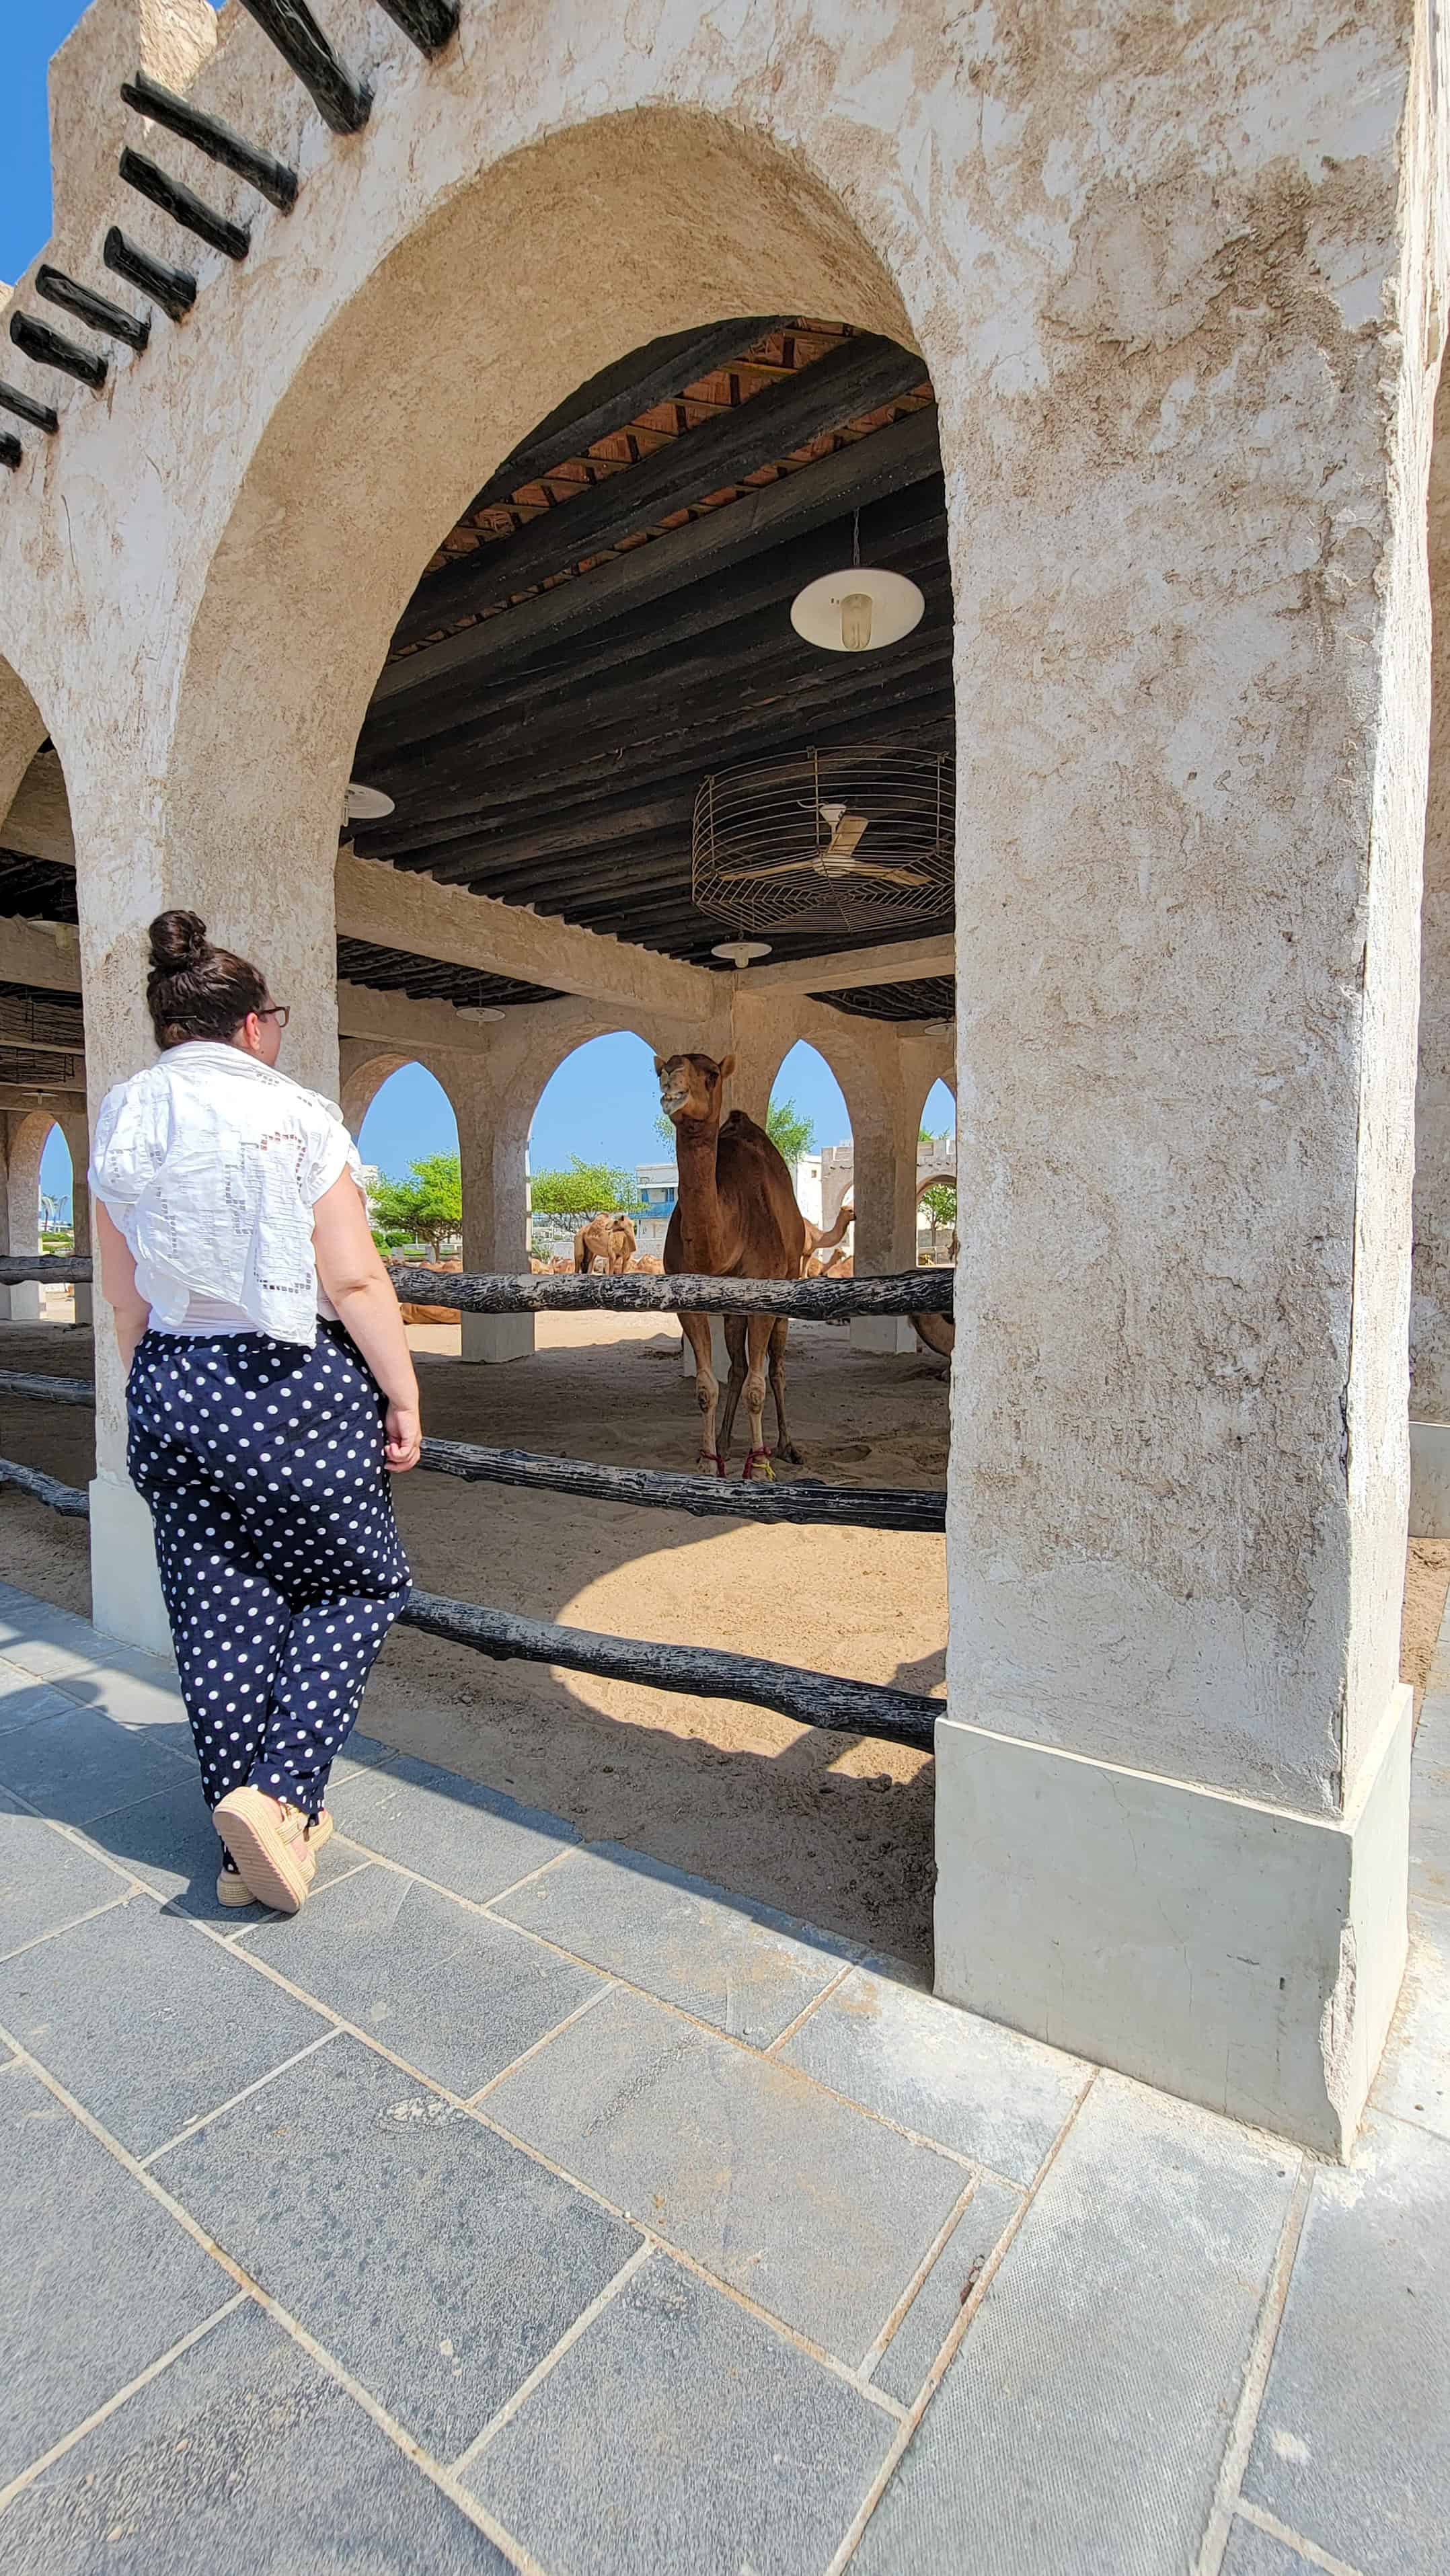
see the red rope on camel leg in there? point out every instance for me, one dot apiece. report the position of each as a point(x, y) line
point(754, 1458)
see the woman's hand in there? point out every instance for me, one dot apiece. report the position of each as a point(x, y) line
point(403, 1438)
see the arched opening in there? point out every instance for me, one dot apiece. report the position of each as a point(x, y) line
point(809, 1120)
point(596, 1151)
point(936, 1176)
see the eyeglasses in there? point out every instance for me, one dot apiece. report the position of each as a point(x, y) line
point(281, 1012)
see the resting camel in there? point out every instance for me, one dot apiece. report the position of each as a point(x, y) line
point(609, 1239)
point(735, 1218)
point(649, 1265)
point(412, 1314)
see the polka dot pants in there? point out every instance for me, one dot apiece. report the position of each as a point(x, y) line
point(280, 1561)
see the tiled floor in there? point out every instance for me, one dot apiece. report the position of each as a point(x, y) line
point(527, 2206)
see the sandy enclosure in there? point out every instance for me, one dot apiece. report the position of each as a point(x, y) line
point(835, 1828)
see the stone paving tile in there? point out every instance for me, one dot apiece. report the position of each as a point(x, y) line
point(140, 1694)
point(96, 2281)
point(243, 2458)
point(437, 2262)
point(458, 1996)
point(50, 1644)
point(45, 1880)
point(1081, 2424)
point(81, 1764)
point(171, 1844)
point(970, 2083)
point(1353, 2440)
point(937, 2305)
point(23, 1699)
point(1258, 2553)
point(467, 1838)
point(1429, 1849)
point(819, 2213)
point(147, 2022)
point(742, 1966)
point(680, 2437)
point(1414, 2076)
point(357, 1756)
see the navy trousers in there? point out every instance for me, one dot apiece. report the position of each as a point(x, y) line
point(280, 1560)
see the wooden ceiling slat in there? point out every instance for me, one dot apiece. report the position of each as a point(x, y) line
point(907, 534)
point(890, 460)
point(858, 378)
point(617, 395)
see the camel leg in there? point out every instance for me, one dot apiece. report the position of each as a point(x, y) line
point(696, 1329)
point(784, 1445)
point(758, 1332)
point(735, 1345)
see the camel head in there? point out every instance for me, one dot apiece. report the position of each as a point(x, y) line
point(693, 1086)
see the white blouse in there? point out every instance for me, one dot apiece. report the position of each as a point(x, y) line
point(210, 1164)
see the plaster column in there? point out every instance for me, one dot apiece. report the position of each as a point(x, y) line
point(25, 1135)
point(249, 843)
point(1192, 674)
point(493, 1134)
point(1430, 1298)
point(883, 1192)
point(77, 1134)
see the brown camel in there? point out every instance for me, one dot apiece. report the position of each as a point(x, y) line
point(735, 1218)
point(819, 1238)
point(649, 1265)
point(412, 1314)
point(609, 1239)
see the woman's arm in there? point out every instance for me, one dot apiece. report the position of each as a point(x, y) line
point(129, 1310)
point(350, 1269)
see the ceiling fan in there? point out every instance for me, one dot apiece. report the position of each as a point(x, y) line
point(836, 860)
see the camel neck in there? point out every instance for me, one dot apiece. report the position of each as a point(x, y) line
point(699, 1198)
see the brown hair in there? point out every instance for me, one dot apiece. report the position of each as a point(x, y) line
point(194, 990)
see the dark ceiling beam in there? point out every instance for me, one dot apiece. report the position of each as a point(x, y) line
point(856, 378)
point(627, 818)
point(906, 533)
point(889, 460)
point(616, 396)
point(741, 661)
point(715, 729)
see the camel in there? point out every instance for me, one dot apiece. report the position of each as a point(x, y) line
point(649, 1265)
point(735, 1218)
point(936, 1333)
point(412, 1314)
point(840, 1266)
point(819, 1238)
point(609, 1239)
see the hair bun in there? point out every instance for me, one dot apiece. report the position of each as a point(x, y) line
point(178, 942)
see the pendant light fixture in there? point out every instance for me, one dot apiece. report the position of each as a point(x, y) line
point(858, 610)
point(741, 953)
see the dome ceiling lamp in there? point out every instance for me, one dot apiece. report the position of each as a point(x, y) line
point(858, 610)
point(741, 953)
point(364, 804)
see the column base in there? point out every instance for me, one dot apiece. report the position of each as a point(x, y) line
point(21, 1304)
point(1430, 1480)
point(125, 1590)
point(884, 1336)
point(719, 1356)
point(85, 1307)
point(492, 1338)
point(1244, 1956)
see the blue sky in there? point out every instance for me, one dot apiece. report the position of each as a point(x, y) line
point(601, 1104)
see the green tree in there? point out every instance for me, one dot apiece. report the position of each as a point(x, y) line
point(424, 1207)
point(940, 1203)
point(585, 1190)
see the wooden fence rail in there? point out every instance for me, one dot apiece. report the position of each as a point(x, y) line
point(814, 1699)
point(705, 1497)
point(820, 1301)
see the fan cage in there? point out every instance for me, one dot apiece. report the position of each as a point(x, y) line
point(761, 851)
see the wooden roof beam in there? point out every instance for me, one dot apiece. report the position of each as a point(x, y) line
point(855, 379)
point(890, 460)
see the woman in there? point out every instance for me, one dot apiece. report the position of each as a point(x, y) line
point(270, 1383)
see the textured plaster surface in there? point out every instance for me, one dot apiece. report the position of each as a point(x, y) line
point(1175, 281)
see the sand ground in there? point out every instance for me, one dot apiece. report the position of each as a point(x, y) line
point(837, 1829)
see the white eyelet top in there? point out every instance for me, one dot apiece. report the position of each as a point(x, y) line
point(210, 1164)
